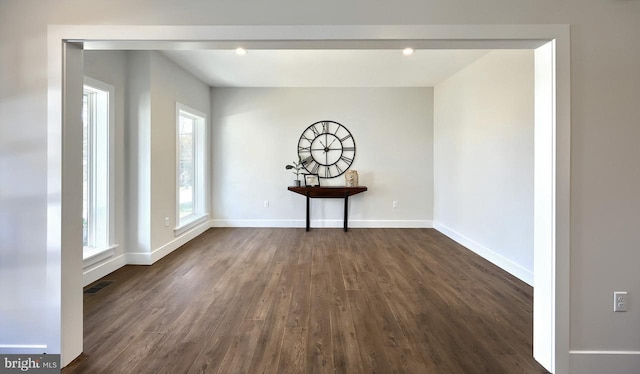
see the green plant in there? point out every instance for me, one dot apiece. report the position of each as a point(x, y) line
point(297, 166)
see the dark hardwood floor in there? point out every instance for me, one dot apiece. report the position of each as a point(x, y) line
point(245, 300)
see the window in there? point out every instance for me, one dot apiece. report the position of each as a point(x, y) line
point(97, 180)
point(190, 164)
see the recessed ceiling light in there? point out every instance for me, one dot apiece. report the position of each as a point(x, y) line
point(407, 51)
point(241, 51)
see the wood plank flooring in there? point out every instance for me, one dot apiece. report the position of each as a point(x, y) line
point(248, 300)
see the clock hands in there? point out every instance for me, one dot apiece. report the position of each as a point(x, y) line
point(326, 149)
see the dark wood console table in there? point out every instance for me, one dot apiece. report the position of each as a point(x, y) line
point(328, 193)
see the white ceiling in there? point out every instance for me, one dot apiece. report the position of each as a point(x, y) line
point(323, 68)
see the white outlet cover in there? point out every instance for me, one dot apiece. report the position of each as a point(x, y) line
point(620, 301)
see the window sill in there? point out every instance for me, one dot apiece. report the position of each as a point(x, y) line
point(191, 223)
point(92, 256)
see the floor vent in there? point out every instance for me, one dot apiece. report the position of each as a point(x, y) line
point(97, 287)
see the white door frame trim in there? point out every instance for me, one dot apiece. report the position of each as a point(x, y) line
point(57, 258)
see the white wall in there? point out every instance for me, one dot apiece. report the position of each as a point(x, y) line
point(483, 150)
point(605, 82)
point(138, 154)
point(256, 132)
point(155, 85)
point(111, 67)
point(169, 83)
point(144, 152)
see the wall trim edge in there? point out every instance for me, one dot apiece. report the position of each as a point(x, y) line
point(604, 352)
point(23, 349)
point(326, 223)
point(488, 254)
point(103, 268)
point(179, 241)
point(596, 362)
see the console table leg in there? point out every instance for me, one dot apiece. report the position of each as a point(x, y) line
point(307, 212)
point(346, 208)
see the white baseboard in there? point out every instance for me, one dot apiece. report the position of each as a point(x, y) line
point(327, 223)
point(179, 241)
point(511, 267)
point(256, 223)
point(597, 362)
point(94, 273)
point(109, 265)
point(143, 258)
point(138, 258)
point(32, 349)
point(388, 224)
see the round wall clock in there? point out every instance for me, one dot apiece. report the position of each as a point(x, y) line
point(326, 148)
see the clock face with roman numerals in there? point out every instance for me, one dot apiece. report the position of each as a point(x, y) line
point(326, 148)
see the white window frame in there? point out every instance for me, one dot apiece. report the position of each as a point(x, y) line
point(101, 203)
point(200, 201)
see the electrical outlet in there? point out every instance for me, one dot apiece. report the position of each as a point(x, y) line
point(395, 204)
point(166, 221)
point(266, 203)
point(620, 301)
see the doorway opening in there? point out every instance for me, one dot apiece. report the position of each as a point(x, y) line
point(551, 225)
